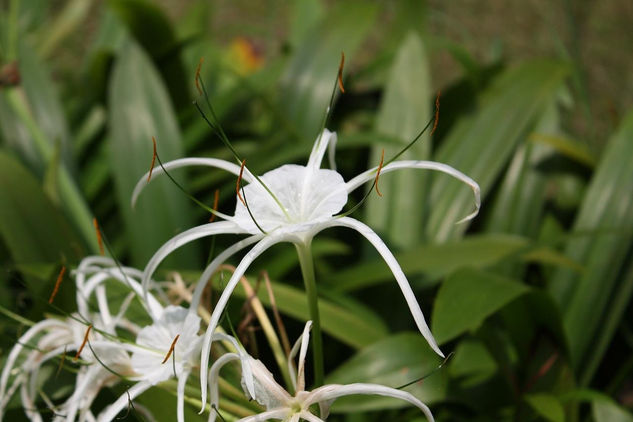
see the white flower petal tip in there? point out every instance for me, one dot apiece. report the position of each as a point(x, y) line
point(473, 214)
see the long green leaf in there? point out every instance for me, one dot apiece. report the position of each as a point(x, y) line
point(606, 211)
point(481, 145)
point(141, 109)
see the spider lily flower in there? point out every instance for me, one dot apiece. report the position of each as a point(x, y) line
point(282, 405)
point(291, 203)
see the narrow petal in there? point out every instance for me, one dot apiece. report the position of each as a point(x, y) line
point(263, 417)
point(182, 381)
point(214, 395)
point(187, 162)
point(110, 412)
point(329, 393)
point(213, 266)
point(306, 415)
point(319, 147)
point(257, 250)
point(247, 372)
point(28, 404)
point(390, 260)
point(422, 165)
point(221, 227)
point(298, 381)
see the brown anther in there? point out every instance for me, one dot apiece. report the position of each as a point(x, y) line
point(171, 348)
point(151, 168)
point(216, 199)
point(340, 73)
point(382, 159)
point(198, 75)
point(60, 277)
point(437, 111)
point(83, 343)
point(238, 186)
point(99, 239)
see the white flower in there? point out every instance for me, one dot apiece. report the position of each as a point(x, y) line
point(296, 203)
point(282, 405)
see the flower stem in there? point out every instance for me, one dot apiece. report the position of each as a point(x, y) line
point(307, 270)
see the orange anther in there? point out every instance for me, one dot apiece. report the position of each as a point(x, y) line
point(382, 159)
point(238, 186)
point(151, 168)
point(437, 111)
point(60, 277)
point(99, 239)
point(83, 343)
point(198, 75)
point(171, 348)
point(216, 199)
point(340, 73)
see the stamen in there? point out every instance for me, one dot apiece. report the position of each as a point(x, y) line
point(171, 348)
point(423, 377)
point(238, 186)
point(60, 277)
point(340, 73)
point(382, 159)
point(83, 343)
point(198, 75)
point(216, 199)
point(151, 169)
point(437, 111)
point(99, 239)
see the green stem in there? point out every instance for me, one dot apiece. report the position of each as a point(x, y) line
point(307, 270)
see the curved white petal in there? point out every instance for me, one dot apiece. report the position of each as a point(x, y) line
point(331, 392)
point(210, 229)
point(423, 165)
point(298, 382)
point(182, 381)
point(390, 260)
point(28, 404)
point(110, 412)
point(306, 415)
point(213, 266)
point(263, 417)
point(187, 162)
point(247, 371)
point(257, 250)
point(318, 149)
point(214, 395)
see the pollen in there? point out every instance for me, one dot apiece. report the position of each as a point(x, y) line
point(83, 343)
point(340, 73)
point(151, 168)
point(216, 199)
point(382, 159)
point(99, 238)
point(171, 348)
point(60, 277)
point(238, 186)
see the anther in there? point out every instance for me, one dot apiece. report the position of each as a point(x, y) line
point(99, 239)
point(83, 343)
point(171, 348)
point(216, 199)
point(238, 186)
point(60, 277)
point(198, 75)
point(340, 73)
point(382, 159)
point(437, 111)
point(151, 169)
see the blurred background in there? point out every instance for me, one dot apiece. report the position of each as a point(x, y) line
point(533, 296)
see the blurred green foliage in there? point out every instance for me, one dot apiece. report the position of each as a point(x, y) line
point(532, 296)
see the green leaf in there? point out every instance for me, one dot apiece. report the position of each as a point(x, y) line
point(472, 363)
point(403, 113)
point(141, 109)
point(467, 298)
point(481, 145)
point(546, 405)
point(311, 74)
point(434, 261)
point(568, 147)
point(606, 213)
point(393, 361)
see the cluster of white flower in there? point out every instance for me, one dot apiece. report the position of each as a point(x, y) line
point(289, 204)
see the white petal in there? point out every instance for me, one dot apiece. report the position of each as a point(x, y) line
point(310, 417)
point(214, 395)
point(221, 227)
point(213, 266)
point(186, 162)
point(390, 260)
point(298, 382)
point(110, 412)
point(263, 417)
point(180, 406)
point(257, 250)
point(268, 392)
point(424, 165)
point(329, 393)
point(319, 147)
